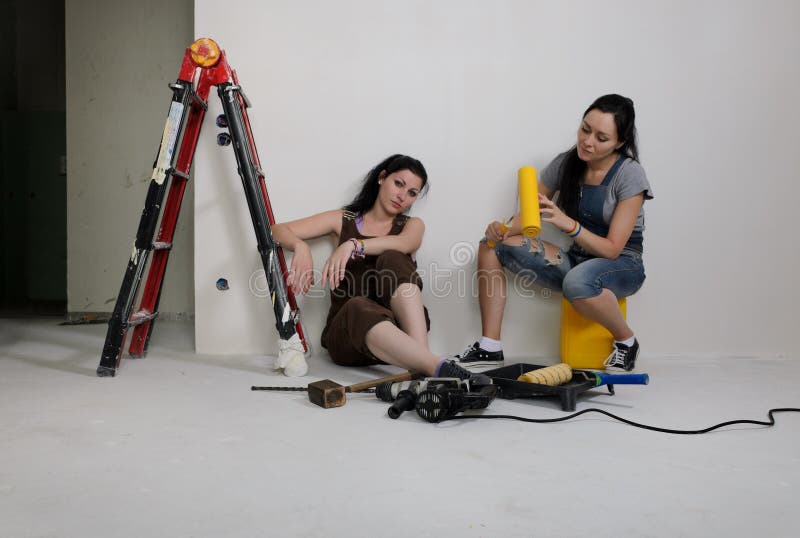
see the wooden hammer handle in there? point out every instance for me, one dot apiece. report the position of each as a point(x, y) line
point(405, 376)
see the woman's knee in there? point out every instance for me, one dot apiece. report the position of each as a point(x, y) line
point(394, 268)
point(393, 260)
point(578, 285)
point(487, 257)
point(354, 309)
point(622, 277)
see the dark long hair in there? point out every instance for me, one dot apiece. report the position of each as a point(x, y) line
point(573, 168)
point(365, 199)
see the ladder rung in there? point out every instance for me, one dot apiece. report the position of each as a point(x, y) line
point(261, 173)
point(140, 317)
point(196, 98)
point(178, 173)
point(161, 245)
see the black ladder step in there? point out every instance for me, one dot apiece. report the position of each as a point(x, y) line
point(142, 316)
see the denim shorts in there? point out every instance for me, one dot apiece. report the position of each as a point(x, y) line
point(576, 273)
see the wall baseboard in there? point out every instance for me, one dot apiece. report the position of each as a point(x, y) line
point(99, 317)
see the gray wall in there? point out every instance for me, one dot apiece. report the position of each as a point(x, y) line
point(476, 89)
point(120, 56)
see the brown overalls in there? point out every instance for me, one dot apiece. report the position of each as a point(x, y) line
point(362, 299)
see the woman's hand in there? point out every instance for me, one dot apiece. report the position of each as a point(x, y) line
point(333, 272)
point(496, 232)
point(301, 273)
point(552, 213)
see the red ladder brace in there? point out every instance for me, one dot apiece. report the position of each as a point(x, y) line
point(204, 62)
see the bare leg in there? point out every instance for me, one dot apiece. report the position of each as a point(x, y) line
point(492, 284)
point(407, 307)
point(604, 309)
point(390, 344)
point(491, 291)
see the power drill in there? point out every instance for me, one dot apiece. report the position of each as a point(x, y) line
point(440, 402)
point(404, 393)
point(437, 398)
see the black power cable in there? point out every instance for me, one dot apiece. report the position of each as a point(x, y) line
point(770, 413)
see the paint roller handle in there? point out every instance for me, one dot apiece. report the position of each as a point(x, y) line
point(620, 379)
point(504, 226)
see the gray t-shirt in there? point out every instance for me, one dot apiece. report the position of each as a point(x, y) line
point(629, 181)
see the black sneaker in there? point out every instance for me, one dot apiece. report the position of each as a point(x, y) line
point(451, 368)
point(623, 357)
point(475, 355)
point(474, 381)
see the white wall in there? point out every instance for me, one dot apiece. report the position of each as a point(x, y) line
point(120, 58)
point(477, 89)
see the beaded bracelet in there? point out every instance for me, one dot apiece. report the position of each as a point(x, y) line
point(576, 230)
point(359, 248)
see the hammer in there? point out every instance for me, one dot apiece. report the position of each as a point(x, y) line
point(327, 393)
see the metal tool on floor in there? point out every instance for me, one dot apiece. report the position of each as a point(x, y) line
point(327, 393)
point(436, 398)
point(204, 65)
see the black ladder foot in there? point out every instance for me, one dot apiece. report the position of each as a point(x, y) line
point(105, 371)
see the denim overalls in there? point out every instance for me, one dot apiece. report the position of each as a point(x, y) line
point(576, 273)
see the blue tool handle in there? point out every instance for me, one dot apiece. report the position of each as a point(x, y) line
point(621, 379)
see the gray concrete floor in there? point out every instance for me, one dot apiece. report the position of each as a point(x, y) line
point(178, 445)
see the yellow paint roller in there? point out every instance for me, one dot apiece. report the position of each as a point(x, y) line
point(530, 218)
point(551, 375)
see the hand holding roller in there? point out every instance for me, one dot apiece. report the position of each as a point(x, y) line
point(503, 230)
point(530, 218)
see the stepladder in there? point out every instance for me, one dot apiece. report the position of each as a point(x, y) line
point(204, 66)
